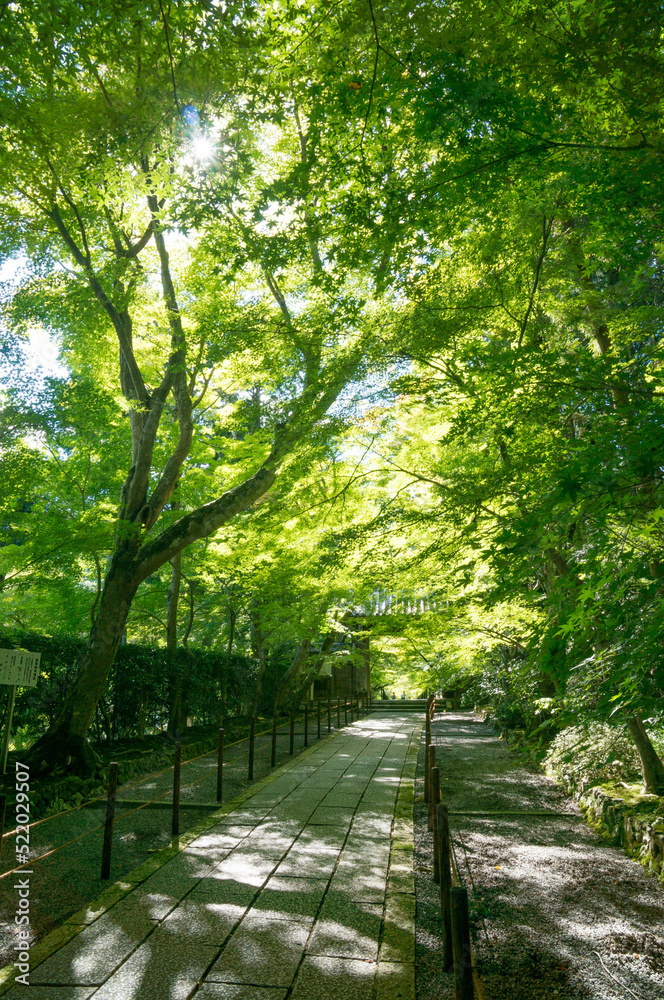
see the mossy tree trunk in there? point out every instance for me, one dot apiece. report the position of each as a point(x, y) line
point(652, 767)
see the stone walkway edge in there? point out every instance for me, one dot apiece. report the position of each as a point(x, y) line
point(395, 969)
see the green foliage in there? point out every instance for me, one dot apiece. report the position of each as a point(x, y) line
point(592, 754)
point(138, 695)
point(417, 283)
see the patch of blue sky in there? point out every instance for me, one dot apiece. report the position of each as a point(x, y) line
point(28, 362)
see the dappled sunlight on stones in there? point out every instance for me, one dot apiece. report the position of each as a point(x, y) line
point(93, 955)
point(284, 896)
point(546, 895)
point(239, 991)
point(354, 934)
point(263, 950)
point(158, 971)
point(323, 978)
point(205, 922)
point(50, 993)
point(395, 981)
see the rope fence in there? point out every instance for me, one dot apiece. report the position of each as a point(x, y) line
point(112, 799)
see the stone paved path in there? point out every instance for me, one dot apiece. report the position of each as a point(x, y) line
point(304, 890)
point(65, 849)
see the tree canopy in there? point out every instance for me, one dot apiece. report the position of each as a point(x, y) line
point(349, 297)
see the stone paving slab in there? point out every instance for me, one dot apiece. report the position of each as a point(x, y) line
point(235, 991)
point(51, 992)
point(302, 888)
point(334, 979)
point(264, 951)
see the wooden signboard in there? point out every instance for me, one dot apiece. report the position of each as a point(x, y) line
point(19, 667)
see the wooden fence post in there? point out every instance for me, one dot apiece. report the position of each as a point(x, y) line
point(273, 751)
point(434, 792)
point(432, 767)
point(463, 967)
point(220, 765)
point(329, 715)
point(292, 733)
point(436, 848)
point(252, 744)
point(177, 761)
point(445, 875)
point(306, 723)
point(318, 733)
point(3, 810)
point(338, 713)
point(110, 815)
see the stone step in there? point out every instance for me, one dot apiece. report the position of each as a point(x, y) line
point(399, 705)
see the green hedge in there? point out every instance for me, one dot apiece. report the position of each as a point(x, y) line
point(139, 689)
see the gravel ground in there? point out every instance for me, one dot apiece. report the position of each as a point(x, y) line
point(67, 879)
point(555, 912)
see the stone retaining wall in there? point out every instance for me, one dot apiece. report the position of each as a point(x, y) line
point(640, 834)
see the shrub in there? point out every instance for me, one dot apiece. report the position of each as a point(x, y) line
point(592, 754)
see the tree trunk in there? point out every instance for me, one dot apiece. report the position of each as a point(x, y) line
point(172, 599)
point(107, 724)
point(258, 650)
point(65, 745)
point(292, 675)
point(293, 671)
point(142, 714)
point(223, 673)
point(652, 768)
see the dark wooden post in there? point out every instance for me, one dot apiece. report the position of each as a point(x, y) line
point(273, 751)
point(351, 707)
point(3, 810)
point(434, 792)
point(252, 744)
point(345, 711)
point(292, 733)
point(445, 875)
point(220, 765)
point(436, 848)
point(318, 736)
point(177, 761)
point(463, 965)
point(110, 815)
point(329, 715)
point(338, 713)
point(306, 723)
point(427, 747)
